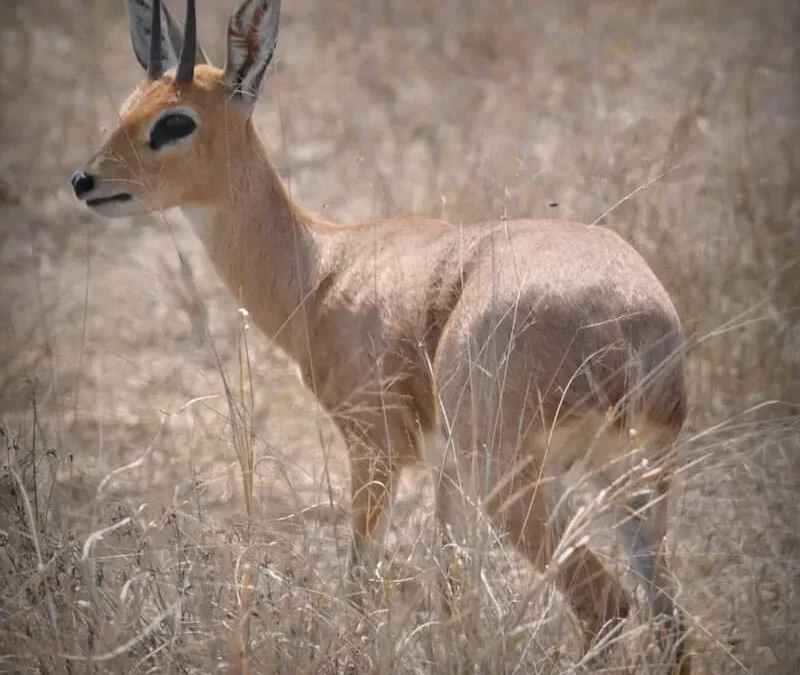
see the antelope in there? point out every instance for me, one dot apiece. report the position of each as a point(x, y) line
point(507, 355)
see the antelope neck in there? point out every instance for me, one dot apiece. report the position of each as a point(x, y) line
point(265, 247)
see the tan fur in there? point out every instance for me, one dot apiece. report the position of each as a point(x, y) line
point(531, 346)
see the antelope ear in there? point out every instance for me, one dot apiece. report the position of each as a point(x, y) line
point(140, 16)
point(252, 36)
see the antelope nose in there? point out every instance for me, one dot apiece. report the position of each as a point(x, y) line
point(82, 183)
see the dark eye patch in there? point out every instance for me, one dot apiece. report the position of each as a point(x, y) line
point(171, 128)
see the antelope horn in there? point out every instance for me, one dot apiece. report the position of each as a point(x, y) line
point(189, 50)
point(155, 67)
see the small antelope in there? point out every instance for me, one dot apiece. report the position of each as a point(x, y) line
point(507, 354)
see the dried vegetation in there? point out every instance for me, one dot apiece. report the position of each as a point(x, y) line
point(164, 503)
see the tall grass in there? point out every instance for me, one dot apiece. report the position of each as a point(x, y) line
point(170, 497)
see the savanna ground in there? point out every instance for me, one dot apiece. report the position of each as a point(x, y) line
point(126, 541)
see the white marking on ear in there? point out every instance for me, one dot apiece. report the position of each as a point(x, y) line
point(252, 36)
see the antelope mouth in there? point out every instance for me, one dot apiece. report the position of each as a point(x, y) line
point(120, 198)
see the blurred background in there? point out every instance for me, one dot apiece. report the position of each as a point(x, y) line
point(674, 122)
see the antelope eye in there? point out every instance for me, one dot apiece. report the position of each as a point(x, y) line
point(171, 128)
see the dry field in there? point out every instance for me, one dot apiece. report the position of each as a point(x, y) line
point(128, 543)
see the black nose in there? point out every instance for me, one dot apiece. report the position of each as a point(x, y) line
point(82, 183)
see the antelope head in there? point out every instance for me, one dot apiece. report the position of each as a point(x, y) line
point(181, 123)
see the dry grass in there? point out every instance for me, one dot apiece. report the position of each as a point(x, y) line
point(170, 500)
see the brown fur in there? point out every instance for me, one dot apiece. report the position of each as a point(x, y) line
point(518, 339)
